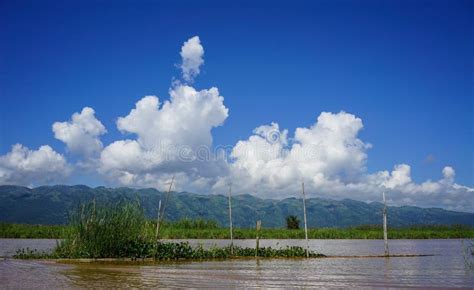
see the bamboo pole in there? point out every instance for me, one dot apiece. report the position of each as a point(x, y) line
point(385, 238)
point(257, 241)
point(305, 224)
point(162, 216)
point(158, 220)
point(230, 221)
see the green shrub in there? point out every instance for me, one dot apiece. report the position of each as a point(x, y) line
point(292, 222)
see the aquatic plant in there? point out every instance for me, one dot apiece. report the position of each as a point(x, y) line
point(27, 253)
point(98, 231)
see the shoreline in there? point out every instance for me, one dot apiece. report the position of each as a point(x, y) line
point(268, 239)
point(146, 261)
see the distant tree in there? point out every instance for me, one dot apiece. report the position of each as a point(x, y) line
point(292, 222)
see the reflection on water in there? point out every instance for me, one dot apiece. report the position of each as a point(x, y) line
point(445, 269)
point(8, 247)
point(15, 274)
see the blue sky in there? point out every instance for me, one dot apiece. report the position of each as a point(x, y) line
point(405, 68)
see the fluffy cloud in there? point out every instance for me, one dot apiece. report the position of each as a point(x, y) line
point(273, 164)
point(449, 173)
point(192, 54)
point(169, 137)
point(32, 167)
point(81, 133)
point(400, 176)
point(402, 190)
point(330, 158)
point(185, 120)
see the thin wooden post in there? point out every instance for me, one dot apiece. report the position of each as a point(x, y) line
point(158, 220)
point(257, 244)
point(305, 224)
point(230, 221)
point(162, 216)
point(385, 238)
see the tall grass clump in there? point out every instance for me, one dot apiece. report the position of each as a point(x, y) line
point(99, 231)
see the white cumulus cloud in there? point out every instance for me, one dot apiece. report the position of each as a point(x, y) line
point(81, 134)
point(449, 173)
point(403, 190)
point(274, 166)
point(186, 119)
point(400, 176)
point(331, 159)
point(23, 166)
point(192, 54)
point(169, 137)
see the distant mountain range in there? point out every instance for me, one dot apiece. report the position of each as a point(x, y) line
point(53, 205)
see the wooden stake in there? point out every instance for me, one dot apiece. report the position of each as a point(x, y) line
point(158, 220)
point(259, 224)
point(305, 224)
point(230, 221)
point(385, 238)
point(162, 216)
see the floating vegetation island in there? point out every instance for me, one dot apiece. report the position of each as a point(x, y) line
point(167, 251)
point(121, 231)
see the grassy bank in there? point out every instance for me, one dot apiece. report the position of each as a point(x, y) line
point(24, 231)
point(199, 229)
point(361, 232)
point(121, 231)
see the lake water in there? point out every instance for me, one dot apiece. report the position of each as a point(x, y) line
point(445, 269)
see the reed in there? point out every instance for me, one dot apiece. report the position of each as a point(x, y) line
point(106, 231)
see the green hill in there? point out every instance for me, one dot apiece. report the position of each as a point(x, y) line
point(53, 205)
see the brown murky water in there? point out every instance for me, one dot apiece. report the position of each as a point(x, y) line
point(445, 269)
